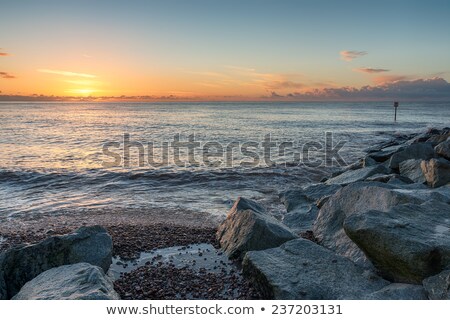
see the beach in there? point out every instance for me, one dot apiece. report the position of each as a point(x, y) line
point(167, 224)
point(134, 232)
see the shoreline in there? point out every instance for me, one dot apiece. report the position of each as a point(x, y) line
point(307, 223)
point(134, 232)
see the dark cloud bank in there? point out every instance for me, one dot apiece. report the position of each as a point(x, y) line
point(435, 89)
point(420, 89)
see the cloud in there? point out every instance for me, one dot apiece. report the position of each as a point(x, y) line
point(419, 89)
point(4, 54)
point(239, 69)
point(391, 78)
point(67, 73)
point(273, 94)
point(41, 97)
point(6, 75)
point(434, 89)
point(249, 77)
point(371, 70)
point(275, 85)
point(82, 82)
point(349, 55)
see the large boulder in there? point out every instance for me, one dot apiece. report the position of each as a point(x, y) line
point(443, 149)
point(438, 287)
point(248, 227)
point(88, 244)
point(352, 176)
point(411, 169)
point(301, 269)
point(399, 291)
point(301, 205)
point(359, 198)
point(436, 171)
point(422, 151)
point(407, 243)
point(81, 281)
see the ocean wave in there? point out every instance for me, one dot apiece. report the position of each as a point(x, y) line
point(92, 177)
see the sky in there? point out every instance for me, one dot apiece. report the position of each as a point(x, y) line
point(225, 50)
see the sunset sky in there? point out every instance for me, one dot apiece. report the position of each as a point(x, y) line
point(226, 50)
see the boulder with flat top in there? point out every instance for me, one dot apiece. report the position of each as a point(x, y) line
point(358, 198)
point(301, 269)
point(407, 243)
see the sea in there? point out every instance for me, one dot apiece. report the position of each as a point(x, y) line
point(63, 157)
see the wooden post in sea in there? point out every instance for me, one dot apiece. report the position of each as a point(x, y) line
point(395, 113)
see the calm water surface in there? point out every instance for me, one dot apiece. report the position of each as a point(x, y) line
point(51, 158)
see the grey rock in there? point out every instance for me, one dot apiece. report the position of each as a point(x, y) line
point(438, 287)
point(399, 291)
point(443, 149)
point(359, 198)
point(322, 201)
point(303, 216)
point(301, 205)
point(88, 244)
point(355, 165)
point(412, 170)
point(357, 175)
point(395, 141)
point(422, 151)
point(368, 161)
point(436, 171)
point(438, 138)
point(406, 244)
point(317, 191)
point(301, 269)
point(395, 181)
point(401, 184)
point(384, 154)
point(424, 136)
point(81, 281)
point(248, 227)
point(3, 291)
point(379, 177)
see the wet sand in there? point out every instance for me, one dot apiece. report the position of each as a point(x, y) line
point(124, 225)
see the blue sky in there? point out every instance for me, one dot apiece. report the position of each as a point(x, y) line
point(171, 47)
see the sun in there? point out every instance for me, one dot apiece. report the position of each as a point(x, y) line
point(82, 92)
